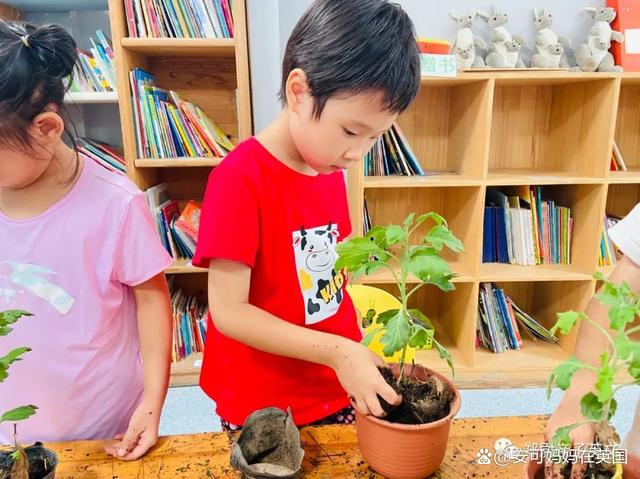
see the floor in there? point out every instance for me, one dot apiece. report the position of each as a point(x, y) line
point(188, 410)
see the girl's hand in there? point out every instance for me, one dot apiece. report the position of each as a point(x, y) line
point(141, 436)
point(357, 370)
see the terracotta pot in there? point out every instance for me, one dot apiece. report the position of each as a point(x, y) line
point(402, 451)
point(534, 470)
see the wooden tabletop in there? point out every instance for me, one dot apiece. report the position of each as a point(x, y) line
point(331, 452)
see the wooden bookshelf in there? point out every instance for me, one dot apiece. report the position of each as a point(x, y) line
point(510, 130)
point(91, 98)
point(212, 73)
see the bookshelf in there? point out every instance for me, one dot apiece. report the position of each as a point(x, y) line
point(212, 73)
point(510, 130)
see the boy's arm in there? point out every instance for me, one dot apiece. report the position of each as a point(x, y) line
point(589, 346)
point(154, 326)
point(355, 365)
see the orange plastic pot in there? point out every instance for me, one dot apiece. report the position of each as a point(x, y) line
point(402, 451)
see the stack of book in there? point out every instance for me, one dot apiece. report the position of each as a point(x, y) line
point(178, 230)
point(500, 322)
point(617, 161)
point(179, 18)
point(392, 155)
point(95, 70)
point(608, 253)
point(105, 155)
point(169, 127)
point(189, 324)
point(516, 233)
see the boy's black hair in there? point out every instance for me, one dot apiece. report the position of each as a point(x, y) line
point(353, 46)
point(36, 68)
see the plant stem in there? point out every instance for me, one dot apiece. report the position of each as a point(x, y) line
point(416, 288)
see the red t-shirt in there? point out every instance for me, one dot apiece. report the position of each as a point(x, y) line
point(285, 226)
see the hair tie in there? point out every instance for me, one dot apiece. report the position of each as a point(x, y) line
point(25, 40)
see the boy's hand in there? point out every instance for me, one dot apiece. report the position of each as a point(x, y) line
point(357, 370)
point(141, 436)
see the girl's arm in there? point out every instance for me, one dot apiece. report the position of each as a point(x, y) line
point(355, 365)
point(589, 346)
point(154, 326)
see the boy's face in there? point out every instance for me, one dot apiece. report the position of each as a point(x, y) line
point(347, 129)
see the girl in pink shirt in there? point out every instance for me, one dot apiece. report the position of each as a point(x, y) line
point(78, 249)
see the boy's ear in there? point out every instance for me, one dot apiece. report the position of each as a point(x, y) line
point(47, 127)
point(296, 89)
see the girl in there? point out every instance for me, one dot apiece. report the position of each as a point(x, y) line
point(78, 249)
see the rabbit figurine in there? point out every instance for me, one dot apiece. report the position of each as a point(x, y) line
point(464, 46)
point(594, 55)
point(544, 51)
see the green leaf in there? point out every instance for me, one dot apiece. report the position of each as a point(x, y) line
point(378, 236)
point(591, 407)
point(370, 335)
point(566, 321)
point(18, 414)
point(444, 354)
point(604, 383)
point(437, 219)
point(384, 317)
point(396, 335)
point(634, 369)
point(356, 252)
point(562, 437)
point(9, 359)
point(395, 234)
point(627, 349)
point(440, 236)
point(408, 221)
point(563, 373)
point(421, 337)
point(599, 276)
point(10, 317)
point(620, 316)
point(429, 267)
point(418, 317)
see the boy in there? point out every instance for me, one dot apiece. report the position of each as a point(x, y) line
point(283, 330)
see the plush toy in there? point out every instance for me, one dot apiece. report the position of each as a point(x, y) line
point(509, 59)
point(594, 55)
point(504, 49)
point(465, 44)
point(546, 53)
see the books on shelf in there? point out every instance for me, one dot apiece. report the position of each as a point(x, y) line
point(178, 230)
point(95, 70)
point(617, 161)
point(501, 321)
point(526, 229)
point(392, 155)
point(189, 324)
point(608, 253)
point(168, 126)
point(179, 18)
point(366, 221)
point(105, 155)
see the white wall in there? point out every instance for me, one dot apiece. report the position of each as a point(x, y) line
point(271, 22)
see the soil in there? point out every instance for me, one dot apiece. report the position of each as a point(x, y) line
point(422, 402)
point(564, 472)
point(39, 467)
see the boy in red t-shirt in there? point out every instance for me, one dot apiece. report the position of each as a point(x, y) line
point(283, 331)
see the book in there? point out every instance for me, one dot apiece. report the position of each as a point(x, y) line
point(527, 230)
point(392, 155)
point(501, 321)
point(105, 155)
point(179, 18)
point(189, 314)
point(168, 126)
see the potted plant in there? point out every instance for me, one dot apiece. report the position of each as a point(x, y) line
point(34, 462)
point(599, 406)
point(410, 442)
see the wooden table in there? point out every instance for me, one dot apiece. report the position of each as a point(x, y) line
point(331, 452)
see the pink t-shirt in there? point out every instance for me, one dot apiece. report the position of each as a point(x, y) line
point(74, 267)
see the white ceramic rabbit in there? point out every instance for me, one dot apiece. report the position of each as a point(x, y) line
point(544, 51)
point(594, 55)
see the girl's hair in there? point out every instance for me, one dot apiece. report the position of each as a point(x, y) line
point(37, 66)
